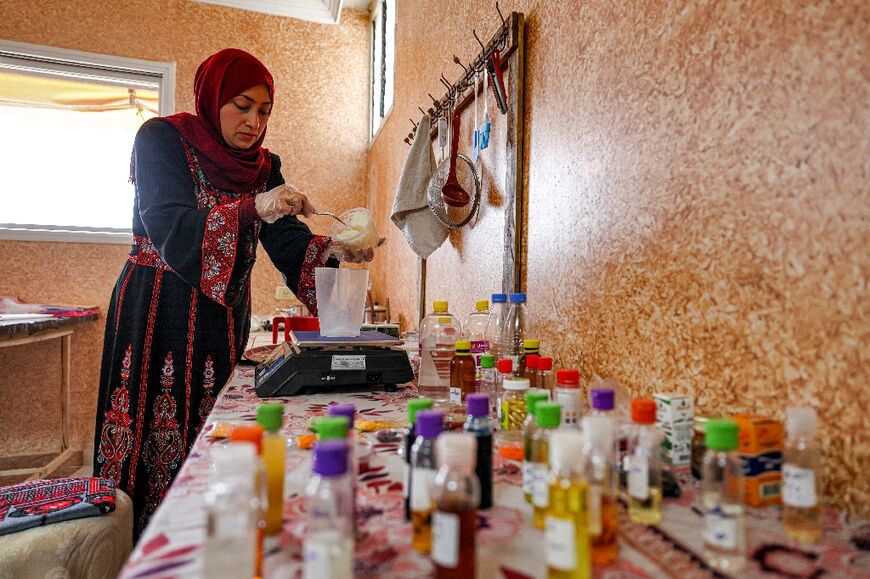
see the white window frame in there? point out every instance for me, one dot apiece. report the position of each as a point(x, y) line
point(374, 10)
point(87, 66)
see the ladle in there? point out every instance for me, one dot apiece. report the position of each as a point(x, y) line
point(452, 192)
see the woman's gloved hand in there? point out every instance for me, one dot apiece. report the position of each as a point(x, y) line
point(351, 255)
point(282, 200)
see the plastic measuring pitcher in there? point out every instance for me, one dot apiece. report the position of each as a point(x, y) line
point(341, 300)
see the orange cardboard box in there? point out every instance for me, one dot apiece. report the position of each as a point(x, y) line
point(759, 446)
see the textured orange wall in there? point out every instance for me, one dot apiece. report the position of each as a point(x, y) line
point(319, 128)
point(698, 214)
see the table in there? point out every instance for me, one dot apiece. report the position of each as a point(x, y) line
point(508, 544)
point(23, 333)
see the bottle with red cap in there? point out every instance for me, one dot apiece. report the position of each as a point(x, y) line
point(567, 393)
point(644, 465)
point(546, 376)
point(530, 372)
point(505, 372)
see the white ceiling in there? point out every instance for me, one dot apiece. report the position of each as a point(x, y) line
point(323, 11)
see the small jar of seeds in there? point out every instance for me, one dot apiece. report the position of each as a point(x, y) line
point(513, 404)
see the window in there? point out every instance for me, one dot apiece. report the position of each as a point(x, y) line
point(70, 119)
point(383, 62)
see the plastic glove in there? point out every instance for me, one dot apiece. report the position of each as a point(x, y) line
point(282, 200)
point(349, 255)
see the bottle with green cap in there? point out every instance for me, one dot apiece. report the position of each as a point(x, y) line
point(530, 431)
point(488, 380)
point(438, 334)
point(548, 416)
point(271, 417)
point(722, 498)
point(474, 329)
point(463, 373)
point(414, 406)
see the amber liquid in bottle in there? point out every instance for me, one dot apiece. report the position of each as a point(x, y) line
point(421, 524)
point(605, 545)
point(463, 376)
point(467, 548)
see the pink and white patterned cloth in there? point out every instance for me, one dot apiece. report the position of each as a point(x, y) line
point(508, 544)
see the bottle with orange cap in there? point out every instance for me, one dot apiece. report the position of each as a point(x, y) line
point(253, 433)
point(644, 465)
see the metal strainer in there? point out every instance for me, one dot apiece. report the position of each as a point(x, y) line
point(466, 174)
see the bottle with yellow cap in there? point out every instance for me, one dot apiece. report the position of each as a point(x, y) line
point(474, 330)
point(462, 373)
point(439, 332)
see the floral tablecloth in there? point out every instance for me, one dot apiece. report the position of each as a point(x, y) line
point(508, 544)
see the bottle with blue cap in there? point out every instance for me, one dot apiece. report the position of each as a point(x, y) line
point(513, 331)
point(497, 315)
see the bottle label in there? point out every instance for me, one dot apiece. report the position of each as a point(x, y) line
point(455, 395)
point(560, 544)
point(327, 554)
point(638, 477)
point(445, 539)
point(422, 481)
point(570, 401)
point(720, 530)
point(527, 477)
point(540, 490)
point(594, 497)
point(798, 486)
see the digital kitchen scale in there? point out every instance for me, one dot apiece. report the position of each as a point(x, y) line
point(309, 363)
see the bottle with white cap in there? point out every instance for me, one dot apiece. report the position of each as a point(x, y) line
point(566, 523)
point(598, 434)
point(801, 513)
point(457, 496)
point(232, 512)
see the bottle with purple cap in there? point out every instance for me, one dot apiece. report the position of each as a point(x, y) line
point(603, 402)
point(328, 543)
point(430, 423)
point(479, 423)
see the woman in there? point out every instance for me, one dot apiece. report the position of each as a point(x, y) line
point(179, 318)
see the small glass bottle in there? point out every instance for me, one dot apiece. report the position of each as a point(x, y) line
point(430, 423)
point(513, 406)
point(271, 417)
point(530, 431)
point(567, 393)
point(495, 323)
point(414, 406)
point(438, 333)
point(566, 539)
point(505, 372)
point(328, 543)
point(598, 435)
point(801, 513)
point(338, 428)
point(456, 494)
point(602, 403)
point(463, 373)
point(479, 423)
point(474, 329)
point(253, 433)
point(488, 382)
point(232, 512)
point(356, 455)
point(513, 332)
point(546, 376)
point(530, 369)
point(722, 499)
point(547, 415)
point(644, 465)
point(531, 347)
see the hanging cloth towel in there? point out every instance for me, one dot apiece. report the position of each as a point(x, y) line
point(411, 212)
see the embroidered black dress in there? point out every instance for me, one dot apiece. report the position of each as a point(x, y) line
point(180, 312)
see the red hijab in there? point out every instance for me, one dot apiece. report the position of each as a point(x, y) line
point(221, 77)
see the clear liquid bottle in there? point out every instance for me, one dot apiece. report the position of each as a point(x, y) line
point(598, 436)
point(430, 423)
point(498, 313)
point(644, 465)
point(546, 376)
point(513, 332)
point(456, 494)
point(567, 393)
point(530, 432)
point(531, 352)
point(505, 372)
point(328, 543)
point(271, 417)
point(231, 509)
point(414, 406)
point(488, 382)
point(801, 512)
point(722, 499)
point(253, 434)
point(438, 334)
point(474, 329)
point(547, 415)
point(357, 451)
point(602, 402)
point(566, 523)
point(479, 423)
point(463, 373)
point(338, 428)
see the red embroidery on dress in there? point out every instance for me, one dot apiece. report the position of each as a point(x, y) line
point(116, 437)
point(121, 297)
point(163, 445)
point(188, 366)
point(219, 250)
point(146, 254)
point(207, 402)
point(315, 256)
point(143, 380)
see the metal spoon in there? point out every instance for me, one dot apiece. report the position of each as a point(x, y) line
point(333, 215)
